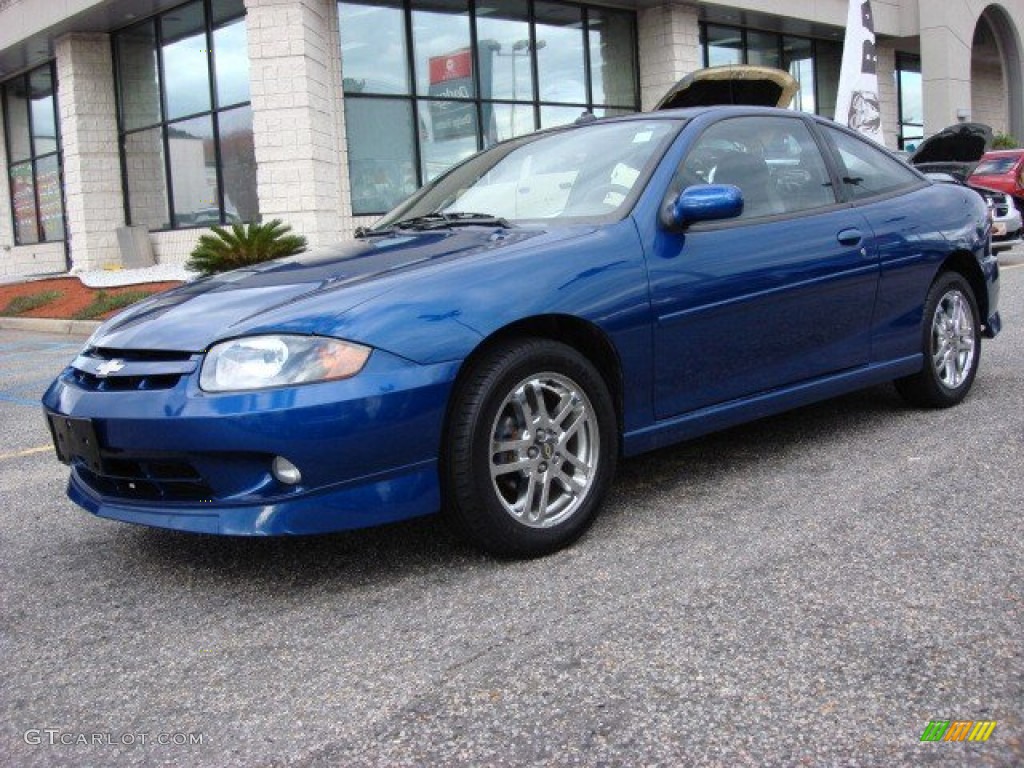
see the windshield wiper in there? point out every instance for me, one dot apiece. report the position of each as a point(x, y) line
point(438, 221)
point(456, 219)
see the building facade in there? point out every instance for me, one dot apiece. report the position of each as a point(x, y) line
point(131, 126)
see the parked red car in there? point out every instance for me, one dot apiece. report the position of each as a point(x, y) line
point(1002, 170)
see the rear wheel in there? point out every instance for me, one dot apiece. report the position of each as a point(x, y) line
point(532, 447)
point(951, 342)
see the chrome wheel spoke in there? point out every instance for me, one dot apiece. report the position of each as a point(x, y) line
point(499, 469)
point(513, 446)
point(953, 344)
point(578, 464)
point(545, 449)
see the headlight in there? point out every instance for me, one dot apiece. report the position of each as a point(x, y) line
point(258, 362)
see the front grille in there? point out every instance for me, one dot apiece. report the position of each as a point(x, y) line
point(95, 383)
point(138, 355)
point(142, 479)
point(130, 370)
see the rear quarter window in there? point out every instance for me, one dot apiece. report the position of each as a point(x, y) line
point(866, 170)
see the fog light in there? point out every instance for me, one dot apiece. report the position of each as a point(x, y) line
point(285, 472)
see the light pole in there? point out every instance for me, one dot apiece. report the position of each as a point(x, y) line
point(519, 48)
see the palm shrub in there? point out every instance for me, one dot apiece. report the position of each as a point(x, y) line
point(242, 245)
point(1004, 141)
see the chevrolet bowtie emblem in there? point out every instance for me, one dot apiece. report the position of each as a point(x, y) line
point(109, 367)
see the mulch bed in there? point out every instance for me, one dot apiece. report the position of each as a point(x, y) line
point(74, 295)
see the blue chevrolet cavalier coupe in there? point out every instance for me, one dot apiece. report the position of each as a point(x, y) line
point(495, 344)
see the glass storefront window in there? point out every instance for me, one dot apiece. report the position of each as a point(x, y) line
point(44, 112)
point(443, 57)
point(722, 45)
point(506, 121)
point(449, 135)
point(23, 200)
point(561, 62)
point(19, 144)
point(503, 51)
point(381, 159)
point(814, 63)
point(238, 165)
point(798, 60)
point(185, 61)
point(33, 156)
point(478, 73)
point(551, 116)
point(146, 177)
point(183, 100)
point(763, 49)
point(48, 198)
point(193, 172)
point(374, 56)
point(138, 76)
point(909, 97)
point(612, 68)
point(231, 63)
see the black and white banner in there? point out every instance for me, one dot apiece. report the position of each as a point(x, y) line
point(857, 100)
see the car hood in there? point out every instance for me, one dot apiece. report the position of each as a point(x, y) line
point(961, 143)
point(732, 84)
point(278, 294)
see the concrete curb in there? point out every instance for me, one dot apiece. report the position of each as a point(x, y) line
point(82, 328)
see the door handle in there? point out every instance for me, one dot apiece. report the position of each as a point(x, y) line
point(849, 236)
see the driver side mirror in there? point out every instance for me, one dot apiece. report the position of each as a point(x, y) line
point(705, 202)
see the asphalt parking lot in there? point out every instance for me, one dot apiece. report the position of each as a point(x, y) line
point(812, 589)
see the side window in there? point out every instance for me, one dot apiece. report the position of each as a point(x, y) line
point(773, 160)
point(867, 170)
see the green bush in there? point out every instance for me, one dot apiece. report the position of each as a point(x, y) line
point(105, 302)
point(19, 305)
point(243, 245)
point(1004, 141)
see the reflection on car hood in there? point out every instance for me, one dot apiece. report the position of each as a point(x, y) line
point(961, 143)
point(192, 317)
point(732, 84)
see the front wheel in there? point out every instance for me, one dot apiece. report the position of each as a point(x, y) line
point(532, 447)
point(951, 344)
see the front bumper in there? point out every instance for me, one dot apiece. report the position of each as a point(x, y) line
point(189, 460)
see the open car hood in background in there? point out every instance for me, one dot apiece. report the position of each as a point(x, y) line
point(960, 143)
point(732, 84)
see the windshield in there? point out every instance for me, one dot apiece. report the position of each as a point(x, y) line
point(995, 166)
point(593, 171)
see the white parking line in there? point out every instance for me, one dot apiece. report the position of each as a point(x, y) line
point(26, 452)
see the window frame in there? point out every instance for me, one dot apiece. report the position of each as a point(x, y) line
point(780, 37)
point(164, 124)
point(906, 62)
point(416, 100)
point(915, 179)
point(34, 158)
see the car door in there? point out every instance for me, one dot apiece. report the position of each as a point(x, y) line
point(782, 294)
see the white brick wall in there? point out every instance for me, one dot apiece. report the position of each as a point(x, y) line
point(174, 247)
point(295, 77)
point(669, 49)
point(93, 199)
point(24, 260)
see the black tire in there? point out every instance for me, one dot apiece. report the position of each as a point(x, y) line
point(544, 490)
point(949, 366)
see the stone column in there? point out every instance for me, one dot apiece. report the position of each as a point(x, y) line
point(946, 34)
point(298, 116)
point(93, 196)
point(669, 49)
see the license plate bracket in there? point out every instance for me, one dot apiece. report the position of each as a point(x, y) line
point(75, 438)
